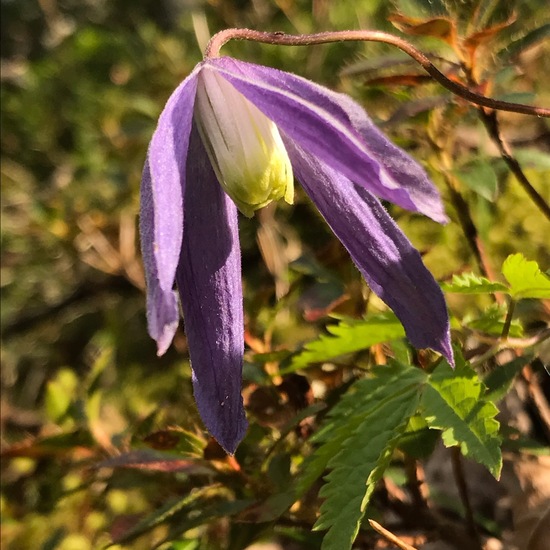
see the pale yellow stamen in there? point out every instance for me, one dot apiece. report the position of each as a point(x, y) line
point(244, 146)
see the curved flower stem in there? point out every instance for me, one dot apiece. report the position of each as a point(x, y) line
point(219, 39)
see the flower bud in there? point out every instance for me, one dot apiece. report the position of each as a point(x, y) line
point(244, 146)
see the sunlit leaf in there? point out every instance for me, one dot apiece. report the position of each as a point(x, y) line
point(438, 27)
point(359, 447)
point(349, 337)
point(525, 278)
point(60, 392)
point(476, 39)
point(360, 434)
point(470, 283)
point(454, 402)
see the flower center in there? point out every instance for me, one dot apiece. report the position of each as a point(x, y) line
point(243, 145)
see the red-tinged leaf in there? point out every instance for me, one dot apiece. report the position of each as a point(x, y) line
point(473, 41)
point(438, 27)
point(78, 443)
point(146, 459)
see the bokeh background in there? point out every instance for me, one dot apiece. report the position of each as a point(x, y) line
point(82, 85)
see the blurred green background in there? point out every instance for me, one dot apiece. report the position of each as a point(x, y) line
point(83, 83)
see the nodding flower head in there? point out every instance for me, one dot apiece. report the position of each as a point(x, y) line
point(244, 146)
point(234, 136)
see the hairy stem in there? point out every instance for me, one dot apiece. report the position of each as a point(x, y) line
point(280, 38)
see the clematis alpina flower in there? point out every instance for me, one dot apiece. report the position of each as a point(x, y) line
point(233, 136)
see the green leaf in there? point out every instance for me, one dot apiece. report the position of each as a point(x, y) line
point(362, 431)
point(480, 177)
point(454, 402)
point(498, 381)
point(470, 283)
point(532, 37)
point(358, 440)
point(181, 514)
point(491, 321)
point(60, 393)
point(348, 337)
point(533, 158)
point(525, 278)
point(419, 440)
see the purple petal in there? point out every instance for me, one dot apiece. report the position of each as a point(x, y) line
point(162, 305)
point(333, 127)
point(209, 283)
point(397, 166)
point(161, 218)
point(392, 267)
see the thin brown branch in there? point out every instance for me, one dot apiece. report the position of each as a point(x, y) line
point(508, 320)
point(458, 471)
point(416, 482)
point(388, 535)
point(280, 38)
point(538, 398)
point(466, 222)
point(492, 126)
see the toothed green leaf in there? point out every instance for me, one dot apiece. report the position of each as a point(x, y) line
point(348, 337)
point(469, 283)
point(525, 278)
point(454, 402)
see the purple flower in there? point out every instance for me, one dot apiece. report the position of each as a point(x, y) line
point(230, 137)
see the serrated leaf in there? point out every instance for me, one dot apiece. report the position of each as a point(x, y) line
point(525, 278)
point(492, 320)
point(362, 398)
point(453, 401)
point(348, 337)
point(362, 431)
point(357, 441)
point(470, 283)
point(358, 466)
